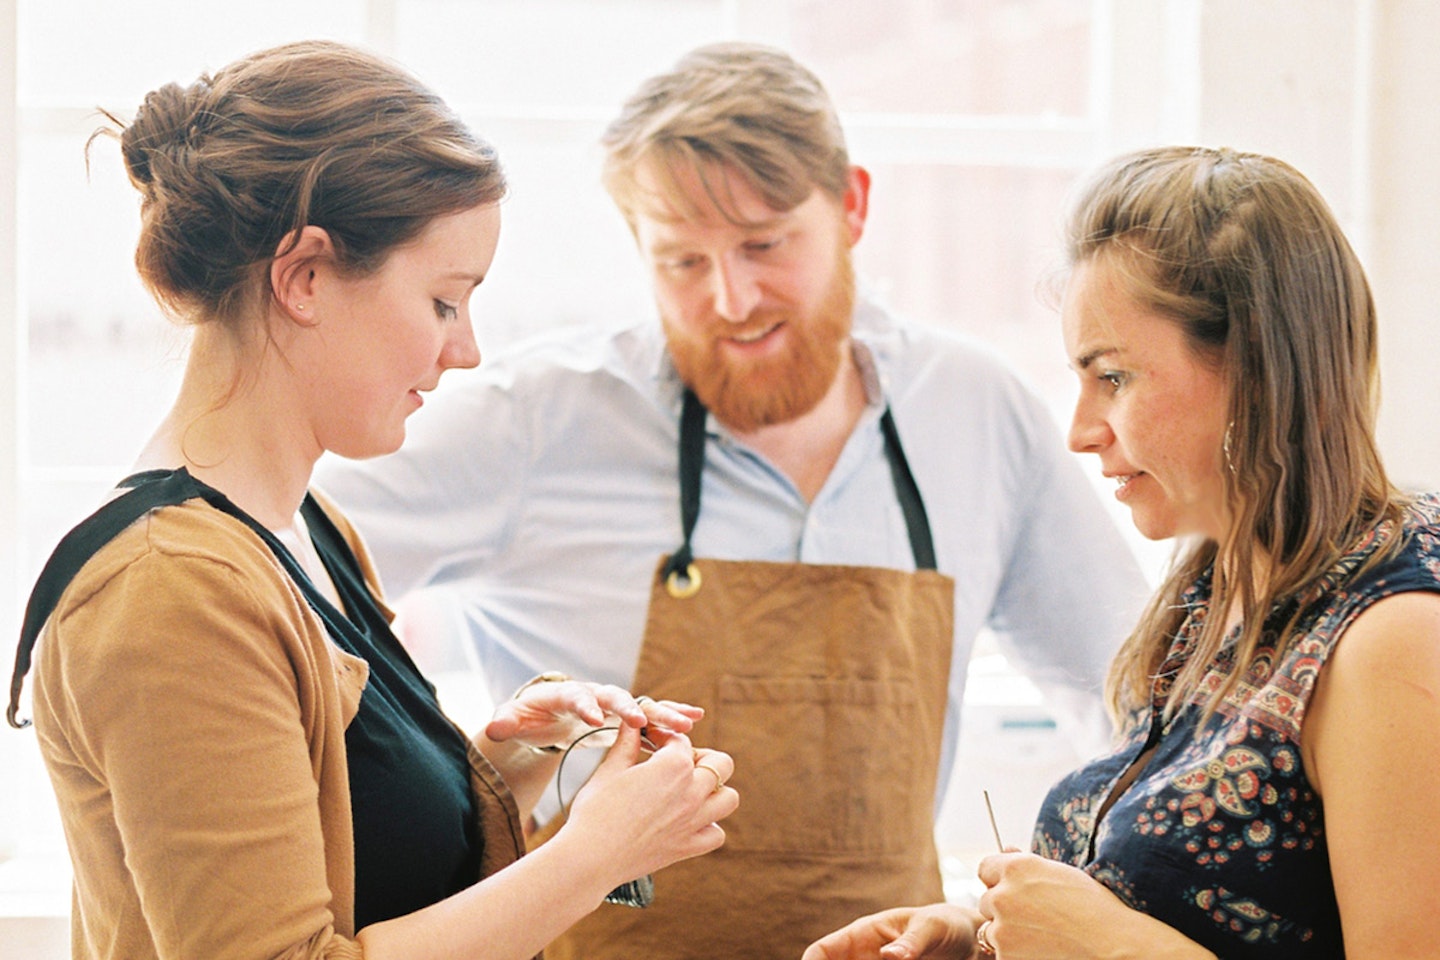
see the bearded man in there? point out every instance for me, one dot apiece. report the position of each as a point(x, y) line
point(778, 502)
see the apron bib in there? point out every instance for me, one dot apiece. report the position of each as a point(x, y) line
point(827, 684)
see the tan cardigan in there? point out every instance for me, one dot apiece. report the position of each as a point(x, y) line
point(191, 710)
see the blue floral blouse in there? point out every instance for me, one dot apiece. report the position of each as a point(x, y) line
point(1222, 835)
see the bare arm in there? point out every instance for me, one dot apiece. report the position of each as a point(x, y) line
point(1371, 742)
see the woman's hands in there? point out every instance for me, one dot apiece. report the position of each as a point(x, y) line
point(1041, 908)
point(553, 713)
point(529, 731)
point(1036, 909)
point(942, 931)
point(649, 815)
point(1045, 910)
point(633, 817)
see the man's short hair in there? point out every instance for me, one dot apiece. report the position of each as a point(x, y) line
point(743, 108)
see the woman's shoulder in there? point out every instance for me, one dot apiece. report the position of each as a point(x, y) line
point(1395, 555)
point(185, 555)
point(190, 531)
point(1422, 515)
point(1415, 562)
point(1381, 591)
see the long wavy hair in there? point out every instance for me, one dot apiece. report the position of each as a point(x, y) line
point(1242, 252)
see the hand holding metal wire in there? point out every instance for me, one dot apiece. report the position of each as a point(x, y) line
point(552, 710)
point(653, 813)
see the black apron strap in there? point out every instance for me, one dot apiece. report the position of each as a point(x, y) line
point(151, 490)
point(922, 545)
point(692, 463)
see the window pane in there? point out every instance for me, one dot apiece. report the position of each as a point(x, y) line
point(98, 378)
point(565, 255)
point(568, 55)
point(79, 52)
point(967, 247)
point(1017, 57)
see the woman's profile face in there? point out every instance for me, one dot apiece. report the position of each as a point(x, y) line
point(1149, 407)
point(383, 340)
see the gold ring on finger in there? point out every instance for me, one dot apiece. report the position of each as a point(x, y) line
point(719, 780)
point(982, 939)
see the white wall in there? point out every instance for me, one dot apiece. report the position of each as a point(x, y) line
point(10, 338)
point(1348, 91)
point(1404, 230)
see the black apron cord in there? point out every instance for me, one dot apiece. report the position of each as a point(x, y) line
point(908, 492)
point(152, 489)
point(78, 546)
point(692, 462)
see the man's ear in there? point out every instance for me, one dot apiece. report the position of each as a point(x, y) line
point(292, 271)
point(856, 202)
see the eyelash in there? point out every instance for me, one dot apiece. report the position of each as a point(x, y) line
point(445, 311)
point(1114, 378)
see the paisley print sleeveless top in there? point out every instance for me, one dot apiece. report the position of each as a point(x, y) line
point(1222, 835)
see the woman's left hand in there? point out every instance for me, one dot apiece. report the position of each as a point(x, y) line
point(1042, 910)
point(554, 713)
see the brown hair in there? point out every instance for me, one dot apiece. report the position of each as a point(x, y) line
point(1243, 253)
point(308, 133)
point(740, 107)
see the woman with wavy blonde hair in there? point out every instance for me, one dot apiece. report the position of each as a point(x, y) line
point(1271, 793)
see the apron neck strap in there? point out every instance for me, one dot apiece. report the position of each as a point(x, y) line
point(692, 462)
point(149, 490)
point(922, 545)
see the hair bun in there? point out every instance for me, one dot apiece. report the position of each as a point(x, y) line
point(232, 166)
point(171, 118)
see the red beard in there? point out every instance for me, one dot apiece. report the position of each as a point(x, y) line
point(746, 394)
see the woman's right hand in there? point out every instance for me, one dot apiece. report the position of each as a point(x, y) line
point(941, 930)
point(658, 812)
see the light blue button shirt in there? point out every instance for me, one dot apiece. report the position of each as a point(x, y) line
point(535, 495)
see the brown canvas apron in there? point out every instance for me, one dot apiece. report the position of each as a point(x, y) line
point(828, 686)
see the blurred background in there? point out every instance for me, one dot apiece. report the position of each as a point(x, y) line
point(975, 117)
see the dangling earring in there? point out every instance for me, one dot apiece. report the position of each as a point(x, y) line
point(1225, 446)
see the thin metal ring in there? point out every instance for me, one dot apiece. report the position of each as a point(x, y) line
point(982, 939)
point(719, 780)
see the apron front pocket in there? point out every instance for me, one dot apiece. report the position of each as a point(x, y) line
point(824, 766)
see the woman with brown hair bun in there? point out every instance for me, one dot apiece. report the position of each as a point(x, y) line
point(247, 762)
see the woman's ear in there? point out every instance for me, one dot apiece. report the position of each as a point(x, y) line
point(292, 271)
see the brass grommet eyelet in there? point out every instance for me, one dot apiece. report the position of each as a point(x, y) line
point(686, 588)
